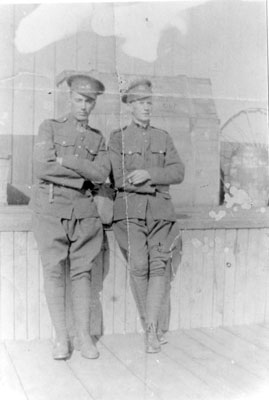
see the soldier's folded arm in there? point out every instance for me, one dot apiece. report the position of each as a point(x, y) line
point(45, 164)
point(119, 176)
point(95, 171)
point(173, 170)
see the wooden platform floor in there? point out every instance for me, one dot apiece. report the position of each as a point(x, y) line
point(209, 364)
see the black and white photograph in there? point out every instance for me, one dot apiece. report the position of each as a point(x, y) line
point(134, 200)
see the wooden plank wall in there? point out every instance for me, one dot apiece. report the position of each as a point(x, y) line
point(223, 276)
point(223, 280)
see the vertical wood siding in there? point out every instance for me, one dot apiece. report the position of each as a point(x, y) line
point(222, 280)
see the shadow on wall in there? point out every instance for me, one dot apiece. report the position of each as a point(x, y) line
point(16, 196)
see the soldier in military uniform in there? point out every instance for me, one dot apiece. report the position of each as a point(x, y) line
point(144, 163)
point(69, 159)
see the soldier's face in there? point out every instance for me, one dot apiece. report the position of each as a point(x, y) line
point(141, 109)
point(81, 106)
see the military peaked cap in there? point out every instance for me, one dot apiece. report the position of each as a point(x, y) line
point(137, 90)
point(81, 82)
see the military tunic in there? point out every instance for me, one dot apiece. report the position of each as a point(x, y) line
point(66, 221)
point(144, 214)
point(151, 149)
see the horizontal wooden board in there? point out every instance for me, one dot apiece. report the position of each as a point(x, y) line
point(18, 218)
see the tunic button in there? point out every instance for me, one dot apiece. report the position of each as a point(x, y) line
point(64, 142)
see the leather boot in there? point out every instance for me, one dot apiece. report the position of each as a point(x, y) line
point(161, 337)
point(81, 298)
point(61, 349)
point(152, 342)
point(165, 311)
point(55, 295)
point(155, 298)
point(139, 287)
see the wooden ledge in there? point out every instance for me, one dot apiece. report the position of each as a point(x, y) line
point(19, 218)
point(222, 218)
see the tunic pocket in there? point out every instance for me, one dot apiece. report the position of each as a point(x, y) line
point(92, 146)
point(158, 151)
point(132, 155)
point(64, 145)
point(91, 153)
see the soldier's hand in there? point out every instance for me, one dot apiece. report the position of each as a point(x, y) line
point(138, 176)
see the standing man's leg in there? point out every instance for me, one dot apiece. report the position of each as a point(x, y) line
point(155, 297)
point(164, 315)
point(159, 232)
point(53, 247)
point(86, 237)
point(172, 246)
point(143, 241)
point(131, 236)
